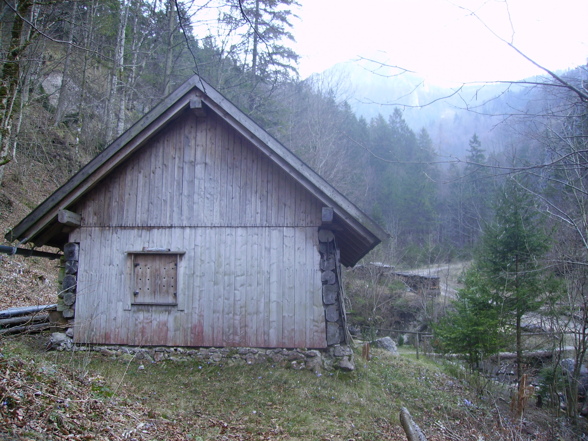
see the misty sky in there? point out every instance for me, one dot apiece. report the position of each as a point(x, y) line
point(441, 40)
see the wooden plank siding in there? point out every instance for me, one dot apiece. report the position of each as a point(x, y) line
point(249, 275)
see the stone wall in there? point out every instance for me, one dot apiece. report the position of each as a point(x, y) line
point(336, 357)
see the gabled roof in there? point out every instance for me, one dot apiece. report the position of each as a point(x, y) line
point(357, 233)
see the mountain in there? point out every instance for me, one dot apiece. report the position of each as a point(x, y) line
point(451, 115)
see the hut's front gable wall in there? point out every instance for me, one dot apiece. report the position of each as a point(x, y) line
point(199, 172)
point(243, 233)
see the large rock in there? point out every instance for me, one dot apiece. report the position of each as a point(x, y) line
point(387, 344)
point(567, 366)
point(59, 341)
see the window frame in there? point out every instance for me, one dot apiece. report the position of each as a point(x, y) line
point(132, 278)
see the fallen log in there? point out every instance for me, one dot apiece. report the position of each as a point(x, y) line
point(25, 310)
point(24, 319)
point(530, 354)
point(27, 328)
point(412, 430)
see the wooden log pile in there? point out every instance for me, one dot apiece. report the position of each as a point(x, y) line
point(381, 273)
point(419, 283)
point(25, 319)
point(330, 276)
point(68, 280)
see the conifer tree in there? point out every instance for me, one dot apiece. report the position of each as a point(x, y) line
point(509, 257)
point(504, 282)
point(475, 326)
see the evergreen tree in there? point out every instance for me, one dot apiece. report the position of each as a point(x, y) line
point(509, 257)
point(504, 282)
point(266, 59)
point(475, 326)
point(476, 192)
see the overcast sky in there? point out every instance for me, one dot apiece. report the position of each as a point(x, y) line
point(441, 40)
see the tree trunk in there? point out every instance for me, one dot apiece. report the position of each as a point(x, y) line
point(10, 82)
point(88, 35)
point(171, 26)
point(255, 51)
point(519, 347)
point(114, 95)
point(60, 111)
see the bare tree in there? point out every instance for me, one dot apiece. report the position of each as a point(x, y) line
point(11, 76)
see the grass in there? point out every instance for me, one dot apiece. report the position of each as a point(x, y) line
point(192, 400)
point(302, 404)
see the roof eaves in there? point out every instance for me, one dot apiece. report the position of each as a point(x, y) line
point(116, 152)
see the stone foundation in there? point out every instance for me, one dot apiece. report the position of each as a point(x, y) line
point(335, 357)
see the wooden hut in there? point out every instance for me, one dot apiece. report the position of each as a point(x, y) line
point(197, 228)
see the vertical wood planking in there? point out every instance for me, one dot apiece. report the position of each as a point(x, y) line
point(155, 183)
point(204, 285)
point(250, 225)
point(231, 176)
point(288, 291)
point(263, 288)
point(82, 298)
point(252, 289)
point(130, 192)
point(240, 294)
point(271, 201)
point(100, 276)
point(199, 173)
point(143, 176)
point(221, 190)
point(230, 311)
point(120, 198)
point(301, 276)
point(219, 184)
point(246, 191)
point(217, 291)
point(213, 158)
point(193, 166)
point(318, 328)
point(110, 215)
point(195, 147)
point(275, 289)
point(185, 145)
point(168, 170)
point(256, 184)
point(120, 259)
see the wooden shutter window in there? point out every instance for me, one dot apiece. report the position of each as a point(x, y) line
point(155, 279)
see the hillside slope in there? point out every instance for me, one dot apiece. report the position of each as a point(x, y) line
point(55, 396)
point(25, 281)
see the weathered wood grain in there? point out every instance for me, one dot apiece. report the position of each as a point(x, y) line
point(243, 225)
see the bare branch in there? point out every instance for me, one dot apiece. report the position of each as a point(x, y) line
point(48, 37)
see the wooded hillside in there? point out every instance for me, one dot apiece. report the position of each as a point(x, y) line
point(77, 73)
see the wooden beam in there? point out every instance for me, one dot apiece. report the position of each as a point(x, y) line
point(197, 107)
point(69, 218)
point(328, 215)
point(47, 234)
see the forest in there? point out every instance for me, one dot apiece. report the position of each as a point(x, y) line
point(78, 73)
